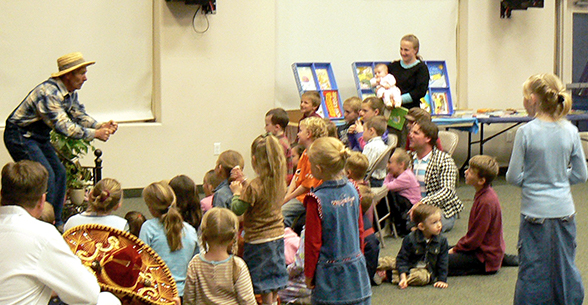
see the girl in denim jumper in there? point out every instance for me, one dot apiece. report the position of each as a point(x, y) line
point(547, 158)
point(334, 266)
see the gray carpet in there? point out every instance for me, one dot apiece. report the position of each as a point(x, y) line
point(494, 289)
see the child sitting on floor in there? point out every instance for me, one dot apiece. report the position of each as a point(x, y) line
point(481, 250)
point(209, 184)
point(404, 189)
point(105, 198)
point(217, 276)
point(136, 220)
point(187, 199)
point(422, 258)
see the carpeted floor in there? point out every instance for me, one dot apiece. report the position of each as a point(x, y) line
point(494, 289)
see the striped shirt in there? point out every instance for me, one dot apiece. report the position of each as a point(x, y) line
point(419, 168)
point(57, 108)
point(212, 282)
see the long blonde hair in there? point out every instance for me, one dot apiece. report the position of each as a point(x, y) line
point(105, 196)
point(269, 163)
point(160, 198)
point(551, 94)
point(220, 226)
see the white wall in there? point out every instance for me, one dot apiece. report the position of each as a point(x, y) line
point(217, 86)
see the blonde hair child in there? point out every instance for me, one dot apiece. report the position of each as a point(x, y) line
point(173, 239)
point(217, 276)
point(333, 231)
point(547, 158)
point(260, 202)
point(105, 198)
point(226, 161)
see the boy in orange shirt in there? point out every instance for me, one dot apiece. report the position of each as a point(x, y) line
point(310, 129)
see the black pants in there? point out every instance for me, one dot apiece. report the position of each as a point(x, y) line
point(466, 263)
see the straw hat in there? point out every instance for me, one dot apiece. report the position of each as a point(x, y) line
point(123, 264)
point(70, 62)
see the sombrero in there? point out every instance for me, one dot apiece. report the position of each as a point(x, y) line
point(70, 62)
point(123, 264)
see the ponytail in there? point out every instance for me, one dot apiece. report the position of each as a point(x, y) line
point(160, 197)
point(270, 164)
point(550, 93)
point(105, 196)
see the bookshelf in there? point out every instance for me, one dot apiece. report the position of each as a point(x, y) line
point(437, 101)
point(319, 77)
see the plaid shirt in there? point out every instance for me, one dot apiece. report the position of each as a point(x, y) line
point(440, 179)
point(57, 108)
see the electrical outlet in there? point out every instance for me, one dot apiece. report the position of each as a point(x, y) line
point(510, 136)
point(217, 149)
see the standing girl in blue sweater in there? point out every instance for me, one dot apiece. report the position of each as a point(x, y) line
point(334, 264)
point(263, 223)
point(173, 239)
point(547, 158)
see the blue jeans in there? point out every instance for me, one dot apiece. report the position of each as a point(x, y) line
point(547, 271)
point(291, 210)
point(22, 147)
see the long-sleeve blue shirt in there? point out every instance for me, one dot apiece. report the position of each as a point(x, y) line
point(547, 158)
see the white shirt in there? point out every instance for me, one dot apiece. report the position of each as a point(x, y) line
point(35, 259)
point(372, 150)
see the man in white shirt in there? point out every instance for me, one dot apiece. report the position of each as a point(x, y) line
point(34, 259)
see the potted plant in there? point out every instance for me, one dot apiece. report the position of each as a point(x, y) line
point(70, 151)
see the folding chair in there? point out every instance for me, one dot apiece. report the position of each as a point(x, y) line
point(381, 192)
point(448, 141)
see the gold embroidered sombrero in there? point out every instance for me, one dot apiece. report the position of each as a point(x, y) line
point(123, 264)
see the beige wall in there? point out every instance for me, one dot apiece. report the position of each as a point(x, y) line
point(217, 86)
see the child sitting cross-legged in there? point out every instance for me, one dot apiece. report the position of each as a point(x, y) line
point(217, 276)
point(404, 189)
point(422, 258)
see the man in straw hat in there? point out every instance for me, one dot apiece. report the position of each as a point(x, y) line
point(54, 105)
point(36, 260)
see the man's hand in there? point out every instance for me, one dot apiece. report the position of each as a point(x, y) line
point(102, 134)
point(111, 125)
point(440, 284)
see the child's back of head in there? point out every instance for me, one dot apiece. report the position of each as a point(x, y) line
point(549, 93)
point(367, 197)
point(187, 199)
point(485, 166)
point(330, 154)
point(161, 200)
point(48, 214)
point(105, 197)
point(331, 128)
point(220, 226)
point(356, 166)
point(135, 220)
point(417, 114)
point(315, 126)
point(210, 182)
point(378, 123)
point(269, 162)
point(226, 161)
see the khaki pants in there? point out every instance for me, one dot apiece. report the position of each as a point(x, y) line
point(416, 276)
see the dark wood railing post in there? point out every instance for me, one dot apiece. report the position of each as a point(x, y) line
point(98, 166)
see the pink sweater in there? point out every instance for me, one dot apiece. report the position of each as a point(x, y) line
point(406, 185)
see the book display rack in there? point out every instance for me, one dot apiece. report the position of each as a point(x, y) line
point(319, 77)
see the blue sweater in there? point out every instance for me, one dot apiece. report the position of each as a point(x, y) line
point(547, 158)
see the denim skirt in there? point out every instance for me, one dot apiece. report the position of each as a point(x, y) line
point(267, 265)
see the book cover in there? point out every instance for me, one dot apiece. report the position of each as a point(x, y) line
point(365, 74)
point(426, 102)
point(307, 82)
point(440, 103)
point(323, 78)
point(332, 104)
point(397, 117)
point(437, 75)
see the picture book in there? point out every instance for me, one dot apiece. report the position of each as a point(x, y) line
point(426, 102)
point(365, 74)
point(440, 103)
point(332, 104)
point(397, 117)
point(307, 82)
point(437, 75)
point(323, 78)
